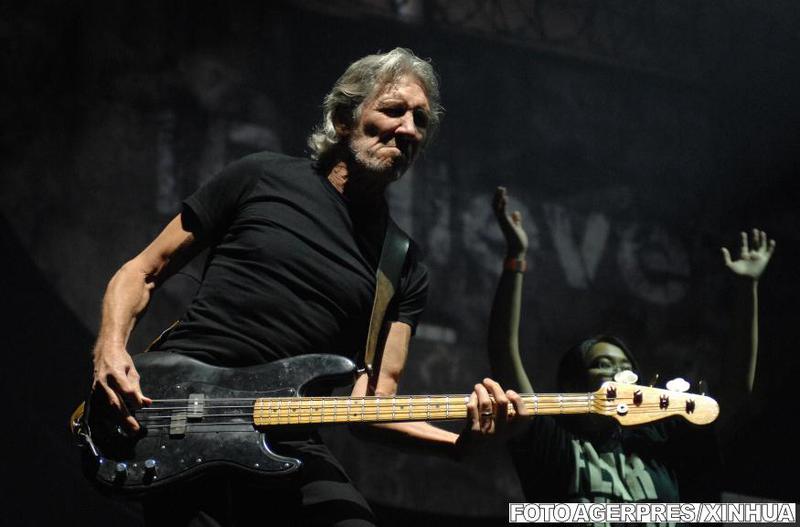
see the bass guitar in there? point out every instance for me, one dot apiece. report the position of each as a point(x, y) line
point(204, 417)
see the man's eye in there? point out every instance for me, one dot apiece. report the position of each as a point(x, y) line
point(421, 119)
point(602, 364)
point(394, 111)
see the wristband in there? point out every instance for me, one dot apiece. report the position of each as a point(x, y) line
point(517, 265)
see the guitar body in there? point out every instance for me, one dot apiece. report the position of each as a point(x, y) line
point(201, 420)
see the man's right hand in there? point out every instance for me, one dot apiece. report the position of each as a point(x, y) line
point(116, 375)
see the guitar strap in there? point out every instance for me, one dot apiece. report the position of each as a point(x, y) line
point(387, 281)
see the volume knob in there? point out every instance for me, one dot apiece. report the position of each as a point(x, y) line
point(120, 471)
point(150, 468)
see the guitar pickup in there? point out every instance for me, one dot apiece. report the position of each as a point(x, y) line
point(196, 406)
point(177, 424)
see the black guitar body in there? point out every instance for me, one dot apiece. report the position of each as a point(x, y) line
point(201, 420)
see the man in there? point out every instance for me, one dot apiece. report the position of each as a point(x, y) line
point(294, 249)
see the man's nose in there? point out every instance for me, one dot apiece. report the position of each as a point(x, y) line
point(408, 127)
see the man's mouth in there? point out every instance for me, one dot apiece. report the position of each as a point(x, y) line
point(404, 149)
point(398, 154)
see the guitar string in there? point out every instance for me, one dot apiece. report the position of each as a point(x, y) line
point(383, 402)
point(412, 399)
point(319, 405)
point(330, 410)
point(591, 395)
point(326, 412)
point(306, 404)
point(381, 405)
point(375, 397)
point(300, 413)
point(296, 420)
point(349, 409)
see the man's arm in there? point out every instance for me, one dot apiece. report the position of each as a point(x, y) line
point(408, 434)
point(126, 297)
point(751, 264)
point(504, 357)
point(420, 435)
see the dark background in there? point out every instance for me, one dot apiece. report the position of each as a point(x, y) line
point(636, 138)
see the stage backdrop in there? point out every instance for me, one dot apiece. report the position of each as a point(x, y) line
point(631, 168)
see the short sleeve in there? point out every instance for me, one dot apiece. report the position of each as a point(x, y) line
point(210, 210)
point(410, 301)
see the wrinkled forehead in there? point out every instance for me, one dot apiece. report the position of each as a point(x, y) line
point(402, 86)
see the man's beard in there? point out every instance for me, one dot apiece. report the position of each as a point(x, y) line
point(385, 169)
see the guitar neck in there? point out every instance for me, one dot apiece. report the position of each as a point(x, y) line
point(270, 411)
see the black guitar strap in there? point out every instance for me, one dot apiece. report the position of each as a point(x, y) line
point(387, 281)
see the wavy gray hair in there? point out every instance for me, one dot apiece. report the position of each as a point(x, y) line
point(362, 79)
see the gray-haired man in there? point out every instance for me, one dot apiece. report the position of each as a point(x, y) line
point(295, 245)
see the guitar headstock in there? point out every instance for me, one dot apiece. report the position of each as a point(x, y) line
point(631, 404)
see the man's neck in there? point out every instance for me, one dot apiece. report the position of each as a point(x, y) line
point(356, 184)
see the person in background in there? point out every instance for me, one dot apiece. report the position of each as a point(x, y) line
point(590, 458)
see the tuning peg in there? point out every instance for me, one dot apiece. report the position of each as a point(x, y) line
point(653, 380)
point(678, 384)
point(626, 377)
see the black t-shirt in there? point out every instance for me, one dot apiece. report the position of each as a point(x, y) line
point(291, 269)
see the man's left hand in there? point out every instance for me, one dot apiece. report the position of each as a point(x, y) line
point(492, 414)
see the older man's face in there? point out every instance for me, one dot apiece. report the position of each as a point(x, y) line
point(391, 128)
